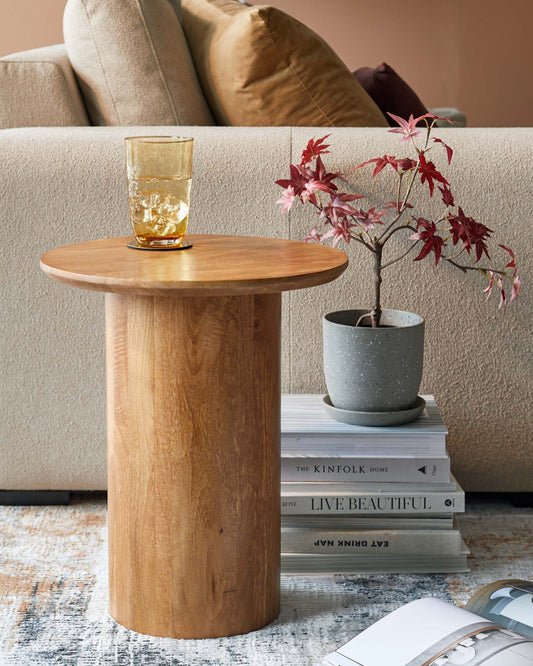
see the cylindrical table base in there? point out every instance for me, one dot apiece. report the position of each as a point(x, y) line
point(193, 390)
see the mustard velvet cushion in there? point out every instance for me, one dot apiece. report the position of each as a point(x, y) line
point(133, 63)
point(260, 67)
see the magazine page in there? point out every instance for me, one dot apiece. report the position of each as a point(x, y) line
point(508, 603)
point(432, 632)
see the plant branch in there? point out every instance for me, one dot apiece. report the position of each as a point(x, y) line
point(345, 223)
point(412, 178)
point(393, 231)
point(399, 191)
point(401, 209)
point(457, 254)
point(429, 126)
point(390, 225)
point(375, 315)
point(480, 269)
point(364, 231)
point(359, 239)
point(363, 316)
point(393, 261)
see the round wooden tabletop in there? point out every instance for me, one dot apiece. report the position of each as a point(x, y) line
point(215, 265)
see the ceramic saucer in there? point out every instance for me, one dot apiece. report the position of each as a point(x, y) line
point(379, 419)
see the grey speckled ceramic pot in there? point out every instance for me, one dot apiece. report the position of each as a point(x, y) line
point(373, 369)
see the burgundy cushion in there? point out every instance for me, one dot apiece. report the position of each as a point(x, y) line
point(390, 92)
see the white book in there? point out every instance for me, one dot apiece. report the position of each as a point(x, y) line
point(307, 429)
point(373, 522)
point(366, 469)
point(312, 563)
point(367, 498)
point(433, 632)
point(386, 543)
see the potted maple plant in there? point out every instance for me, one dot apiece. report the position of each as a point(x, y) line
point(373, 357)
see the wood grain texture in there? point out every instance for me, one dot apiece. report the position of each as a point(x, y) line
point(215, 265)
point(193, 391)
point(193, 409)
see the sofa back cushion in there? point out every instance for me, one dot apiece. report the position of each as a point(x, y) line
point(133, 63)
point(259, 66)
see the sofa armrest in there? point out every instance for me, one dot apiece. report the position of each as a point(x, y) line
point(451, 113)
point(38, 89)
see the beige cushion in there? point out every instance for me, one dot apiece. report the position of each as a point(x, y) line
point(259, 66)
point(133, 63)
point(38, 89)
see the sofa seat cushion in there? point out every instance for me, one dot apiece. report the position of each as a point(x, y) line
point(39, 90)
point(258, 66)
point(133, 63)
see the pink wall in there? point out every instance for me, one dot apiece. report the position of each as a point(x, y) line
point(27, 24)
point(476, 55)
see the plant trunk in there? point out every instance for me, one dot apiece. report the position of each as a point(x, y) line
point(375, 315)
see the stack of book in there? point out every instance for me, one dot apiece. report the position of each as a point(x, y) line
point(357, 499)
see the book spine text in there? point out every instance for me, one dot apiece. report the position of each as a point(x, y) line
point(367, 504)
point(392, 542)
point(362, 469)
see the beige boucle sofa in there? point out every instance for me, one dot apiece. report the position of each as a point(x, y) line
point(62, 184)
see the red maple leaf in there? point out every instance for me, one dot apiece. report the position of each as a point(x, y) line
point(287, 199)
point(516, 288)
point(429, 173)
point(340, 231)
point(369, 218)
point(339, 207)
point(381, 163)
point(304, 181)
point(322, 179)
point(512, 263)
point(503, 295)
point(407, 128)
point(472, 234)
point(312, 236)
point(447, 196)
point(432, 242)
point(490, 286)
point(406, 164)
point(298, 180)
point(434, 117)
point(314, 149)
point(395, 205)
point(449, 151)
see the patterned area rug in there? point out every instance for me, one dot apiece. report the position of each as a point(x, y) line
point(53, 594)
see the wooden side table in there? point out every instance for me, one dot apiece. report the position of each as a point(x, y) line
point(193, 403)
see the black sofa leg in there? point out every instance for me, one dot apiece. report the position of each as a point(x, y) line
point(524, 500)
point(34, 497)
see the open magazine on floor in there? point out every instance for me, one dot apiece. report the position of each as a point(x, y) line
point(494, 629)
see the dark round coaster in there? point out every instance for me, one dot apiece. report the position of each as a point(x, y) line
point(135, 246)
